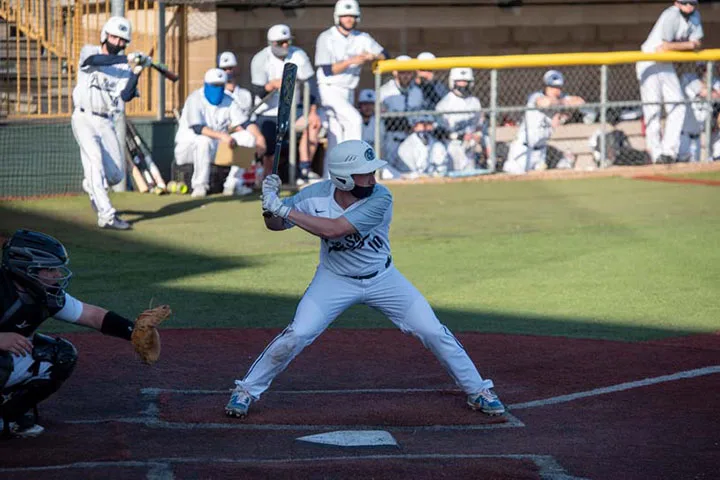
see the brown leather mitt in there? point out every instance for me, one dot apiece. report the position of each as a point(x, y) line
point(145, 337)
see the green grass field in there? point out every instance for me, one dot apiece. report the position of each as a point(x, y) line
point(602, 258)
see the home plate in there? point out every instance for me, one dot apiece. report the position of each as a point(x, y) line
point(352, 438)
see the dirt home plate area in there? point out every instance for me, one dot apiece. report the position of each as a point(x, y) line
point(376, 404)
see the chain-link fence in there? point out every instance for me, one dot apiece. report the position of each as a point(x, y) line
point(461, 121)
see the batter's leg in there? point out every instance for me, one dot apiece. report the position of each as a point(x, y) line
point(405, 306)
point(327, 297)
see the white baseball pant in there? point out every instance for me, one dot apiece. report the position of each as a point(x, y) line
point(101, 157)
point(328, 295)
point(460, 157)
point(659, 83)
point(522, 158)
point(200, 151)
point(344, 122)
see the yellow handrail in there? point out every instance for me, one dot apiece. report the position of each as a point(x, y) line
point(544, 60)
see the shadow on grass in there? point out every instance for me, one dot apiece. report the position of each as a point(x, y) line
point(123, 273)
point(138, 216)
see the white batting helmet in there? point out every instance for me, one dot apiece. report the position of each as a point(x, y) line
point(351, 157)
point(118, 26)
point(278, 33)
point(460, 73)
point(425, 56)
point(553, 78)
point(346, 8)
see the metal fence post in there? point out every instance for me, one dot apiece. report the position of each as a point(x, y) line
point(709, 110)
point(161, 59)
point(493, 120)
point(378, 84)
point(117, 9)
point(603, 115)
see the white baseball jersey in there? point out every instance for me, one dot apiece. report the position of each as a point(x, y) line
point(98, 88)
point(243, 99)
point(198, 111)
point(266, 67)
point(395, 99)
point(417, 156)
point(697, 113)
point(671, 26)
point(332, 47)
point(468, 122)
point(536, 128)
point(360, 253)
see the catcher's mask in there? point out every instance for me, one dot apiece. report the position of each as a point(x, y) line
point(38, 263)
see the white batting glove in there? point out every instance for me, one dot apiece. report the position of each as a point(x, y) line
point(271, 184)
point(272, 203)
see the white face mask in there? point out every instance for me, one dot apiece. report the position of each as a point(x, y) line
point(279, 51)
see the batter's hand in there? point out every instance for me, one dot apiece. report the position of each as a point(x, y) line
point(271, 184)
point(15, 343)
point(272, 203)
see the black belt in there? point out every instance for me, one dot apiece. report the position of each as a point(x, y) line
point(374, 274)
point(534, 148)
point(97, 114)
point(692, 135)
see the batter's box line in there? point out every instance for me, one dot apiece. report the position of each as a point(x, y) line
point(548, 467)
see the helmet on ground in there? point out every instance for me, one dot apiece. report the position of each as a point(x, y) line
point(25, 254)
point(227, 60)
point(460, 73)
point(118, 26)
point(351, 157)
point(346, 8)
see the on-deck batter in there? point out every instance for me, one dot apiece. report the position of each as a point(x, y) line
point(105, 82)
point(352, 215)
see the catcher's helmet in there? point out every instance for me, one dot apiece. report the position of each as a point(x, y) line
point(351, 157)
point(25, 254)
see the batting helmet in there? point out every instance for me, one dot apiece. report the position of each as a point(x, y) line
point(351, 157)
point(460, 73)
point(553, 78)
point(25, 254)
point(346, 8)
point(118, 26)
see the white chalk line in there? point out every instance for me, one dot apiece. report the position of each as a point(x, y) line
point(548, 467)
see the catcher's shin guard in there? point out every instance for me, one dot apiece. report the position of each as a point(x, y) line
point(20, 398)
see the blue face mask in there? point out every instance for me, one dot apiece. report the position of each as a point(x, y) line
point(214, 93)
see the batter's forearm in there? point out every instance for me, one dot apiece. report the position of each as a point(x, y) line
point(102, 60)
point(321, 226)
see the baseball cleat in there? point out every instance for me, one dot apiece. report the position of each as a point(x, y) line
point(239, 403)
point(25, 427)
point(487, 402)
point(115, 223)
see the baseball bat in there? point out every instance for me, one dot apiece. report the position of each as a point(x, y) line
point(142, 178)
point(165, 71)
point(147, 155)
point(287, 92)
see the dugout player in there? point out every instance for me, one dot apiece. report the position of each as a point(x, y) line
point(694, 86)
point(266, 69)
point(210, 116)
point(34, 274)
point(351, 215)
point(433, 90)
point(677, 29)
point(340, 53)
point(106, 80)
point(422, 153)
point(366, 107)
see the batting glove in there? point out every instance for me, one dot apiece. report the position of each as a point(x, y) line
point(272, 203)
point(271, 184)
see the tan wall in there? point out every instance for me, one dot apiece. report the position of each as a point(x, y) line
point(451, 31)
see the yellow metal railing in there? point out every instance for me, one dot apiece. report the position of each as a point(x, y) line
point(41, 59)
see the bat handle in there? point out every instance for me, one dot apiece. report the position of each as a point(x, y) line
point(276, 160)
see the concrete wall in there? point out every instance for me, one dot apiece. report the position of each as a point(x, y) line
point(462, 30)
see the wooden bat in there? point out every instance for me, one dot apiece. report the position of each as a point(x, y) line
point(165, 71)
point(287, 92)
point(138, 171)
point(152, 168)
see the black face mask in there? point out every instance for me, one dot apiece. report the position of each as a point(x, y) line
point(362, 192)
point(113, 49)
point(424, 136)
point(463, 91)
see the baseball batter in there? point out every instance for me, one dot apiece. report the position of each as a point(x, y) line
point(266, 71)
point(677, 29)
point(694, 86)
point(422, 153)
point(351, 215)
point(106, 81)
point(464, 126)
point(399, 94)
point(34, 274)
point(340, 53)
point(244, 100)
point(529, 149)
point(210, 116)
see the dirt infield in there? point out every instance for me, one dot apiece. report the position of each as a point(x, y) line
point(578, 409)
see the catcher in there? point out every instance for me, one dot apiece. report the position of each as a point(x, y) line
point(33, 276)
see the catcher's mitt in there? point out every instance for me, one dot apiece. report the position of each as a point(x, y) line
point(145, 337)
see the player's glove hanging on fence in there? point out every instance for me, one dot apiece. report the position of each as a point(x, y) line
point(145, 337)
